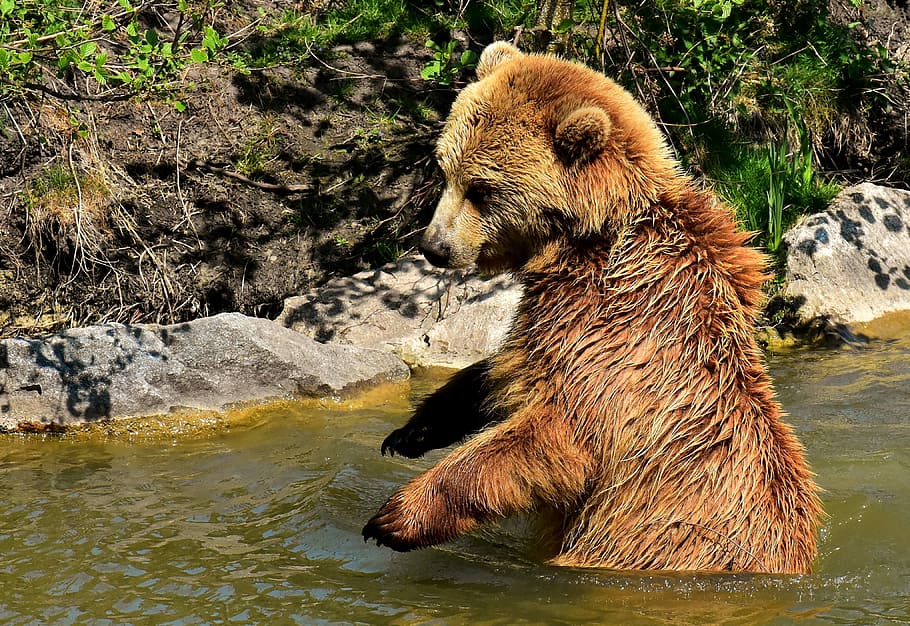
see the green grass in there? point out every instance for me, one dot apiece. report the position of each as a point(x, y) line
point(291, 35)
point(358, 20)
point(770, 187)
point(259, 150)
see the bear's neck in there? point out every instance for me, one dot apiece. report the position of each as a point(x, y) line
point(680, 276)
point(685, 245)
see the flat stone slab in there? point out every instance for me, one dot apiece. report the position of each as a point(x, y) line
point(851, 262)
point(115, 371)
point(425, 315)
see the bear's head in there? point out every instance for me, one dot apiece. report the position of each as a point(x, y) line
point(536, 149)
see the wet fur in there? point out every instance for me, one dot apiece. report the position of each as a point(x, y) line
point(629, 402)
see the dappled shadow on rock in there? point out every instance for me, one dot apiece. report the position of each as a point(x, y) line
point(70, 377)
point(113, 371)
point(425, 315)
point(851, 263)
point(783, 321)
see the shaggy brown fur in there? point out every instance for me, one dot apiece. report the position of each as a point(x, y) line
point(629, 403)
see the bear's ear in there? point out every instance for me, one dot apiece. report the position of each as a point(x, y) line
point(582, 135)
point(493, 56)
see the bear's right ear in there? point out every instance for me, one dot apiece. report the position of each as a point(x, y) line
point(495, 55)
point(582, 135)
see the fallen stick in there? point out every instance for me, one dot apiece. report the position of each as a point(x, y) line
point(203, 165)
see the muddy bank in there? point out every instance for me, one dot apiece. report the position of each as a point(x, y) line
point(268, 184)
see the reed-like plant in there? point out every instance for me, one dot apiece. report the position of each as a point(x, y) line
point(770, 186)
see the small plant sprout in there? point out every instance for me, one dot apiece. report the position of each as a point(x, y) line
point(446, 68)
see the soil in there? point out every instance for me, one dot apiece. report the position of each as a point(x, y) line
point(268, 184)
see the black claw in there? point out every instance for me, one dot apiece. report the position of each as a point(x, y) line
point(367, 533)
point(404, 442)
point(388, 446)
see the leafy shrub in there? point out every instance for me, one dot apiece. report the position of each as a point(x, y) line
point(107, 45)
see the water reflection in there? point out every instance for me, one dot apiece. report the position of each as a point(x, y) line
point(261, 524)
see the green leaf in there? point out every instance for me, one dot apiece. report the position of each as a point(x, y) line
point(151, 36)
point(126, 5)
point(180, 106)
point(7, 6)
point(87, 49)
point(86, 67)
point(107, 23)
point(212, 40)
point(431, 70)
point(199, 55)
point(469, 58)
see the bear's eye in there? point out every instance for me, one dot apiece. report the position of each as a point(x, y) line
point(478, 194)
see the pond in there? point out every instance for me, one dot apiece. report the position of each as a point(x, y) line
point(260, 523)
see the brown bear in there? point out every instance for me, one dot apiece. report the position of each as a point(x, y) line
point(629, 406)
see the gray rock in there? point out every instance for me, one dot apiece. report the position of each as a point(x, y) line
point(851, 263)
point(425, 315)
point(113, 371)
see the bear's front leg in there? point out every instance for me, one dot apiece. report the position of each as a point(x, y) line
point(506, 469)
point(430, 510)
point(448, 415)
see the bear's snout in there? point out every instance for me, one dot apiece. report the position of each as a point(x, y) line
point(437, 251)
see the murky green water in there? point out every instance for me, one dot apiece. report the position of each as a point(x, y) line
point(261, 524)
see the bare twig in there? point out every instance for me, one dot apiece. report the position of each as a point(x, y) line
point(21, 155)
point(187, 215)
point(655, 64)
point(309, 52)
point(204, 165)
point(731, 82)
point(107, 96)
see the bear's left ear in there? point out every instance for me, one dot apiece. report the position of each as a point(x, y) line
point(582, 135)
point(495, 55)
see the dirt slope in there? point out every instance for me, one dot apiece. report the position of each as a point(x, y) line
point(267, 184)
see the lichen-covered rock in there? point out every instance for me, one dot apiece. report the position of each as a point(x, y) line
point(113, 371)
point(851, 262)
point(425, 315)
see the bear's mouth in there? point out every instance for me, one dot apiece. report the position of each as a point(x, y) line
point(489, 262)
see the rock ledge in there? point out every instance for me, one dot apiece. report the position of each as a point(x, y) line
point(98, 373)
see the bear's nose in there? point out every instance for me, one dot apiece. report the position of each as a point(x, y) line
point(436, 251)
